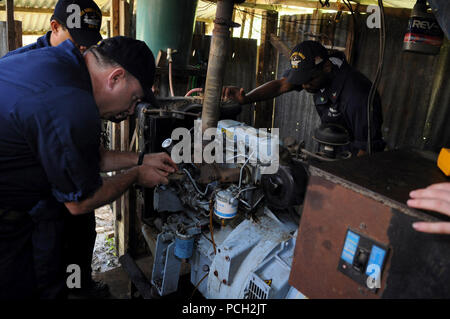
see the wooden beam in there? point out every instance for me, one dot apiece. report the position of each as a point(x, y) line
point(252, 16)
point(18, 9)
point(280, 45)
point(260, 6)
point(10, 27)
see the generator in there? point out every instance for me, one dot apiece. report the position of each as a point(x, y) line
point(234, 225)
point(330, 228)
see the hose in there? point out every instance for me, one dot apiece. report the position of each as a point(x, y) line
point(170, 79)
point(195, 184)
point(193, 91)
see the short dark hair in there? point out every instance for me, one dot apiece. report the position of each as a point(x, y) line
point(102, 58)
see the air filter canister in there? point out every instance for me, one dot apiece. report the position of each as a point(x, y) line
point(424, 34)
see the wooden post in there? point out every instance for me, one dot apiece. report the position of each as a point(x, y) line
point(120, 25)
point(266, 68)
point(10, 26)
point(124, 18)
point(115, 17)
point(115, 142)
point(250, 31)
point(244, 16)
point(4, 36)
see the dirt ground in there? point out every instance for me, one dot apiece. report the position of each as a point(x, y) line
point(104, 257)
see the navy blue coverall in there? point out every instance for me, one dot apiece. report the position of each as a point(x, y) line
point(79, 234)
point(49, 154)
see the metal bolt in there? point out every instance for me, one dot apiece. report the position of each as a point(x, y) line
point(216, 273)
point(205, 268)
point(224, 281)
point(227, 258)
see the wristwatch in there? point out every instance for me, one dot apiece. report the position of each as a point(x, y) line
point(141, 158)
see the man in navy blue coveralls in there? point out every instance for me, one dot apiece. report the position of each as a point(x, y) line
point(80, 234)
point(51, 102)
point(340, 93)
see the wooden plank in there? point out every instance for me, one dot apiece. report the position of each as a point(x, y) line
point(266, 68)
point(280, 45)
point(10, 27)
point(115, 17)
point(124, 18)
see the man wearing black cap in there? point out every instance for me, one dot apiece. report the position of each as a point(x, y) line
point(80, 234)
point(65, 25)
point(49, 150)
point(340, 92)
point(78, 21)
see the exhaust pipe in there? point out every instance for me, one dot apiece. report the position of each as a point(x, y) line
point(217, 61)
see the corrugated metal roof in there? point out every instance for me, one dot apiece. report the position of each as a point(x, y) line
point(38, 22)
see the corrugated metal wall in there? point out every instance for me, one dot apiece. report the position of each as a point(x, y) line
point(406, 87)
point(415, 88)
point(240, 69)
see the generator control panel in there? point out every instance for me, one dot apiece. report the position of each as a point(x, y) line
point(362, 259)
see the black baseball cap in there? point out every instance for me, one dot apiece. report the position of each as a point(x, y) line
point(86, 30)
point(135, 57)
point(305, 58)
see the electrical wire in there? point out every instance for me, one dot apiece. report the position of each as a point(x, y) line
point(211, 228)
point(198, 284)
point(373, 89)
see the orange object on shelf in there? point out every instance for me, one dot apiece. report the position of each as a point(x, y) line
point(443, 161)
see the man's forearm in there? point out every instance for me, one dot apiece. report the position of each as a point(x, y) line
point(268, 91)
point(117, 160)
point(111, 189)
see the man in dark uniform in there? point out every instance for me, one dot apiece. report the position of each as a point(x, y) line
point(83, 35)
point(49, 151)
point(80, 234)
point(340, 93)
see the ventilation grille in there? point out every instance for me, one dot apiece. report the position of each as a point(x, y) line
point(256, 289)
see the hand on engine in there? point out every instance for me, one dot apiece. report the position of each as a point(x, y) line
point(149, 176)
point(233, 93)
point(161, 161)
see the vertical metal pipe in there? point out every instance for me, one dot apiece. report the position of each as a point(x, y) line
point(216, 64)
